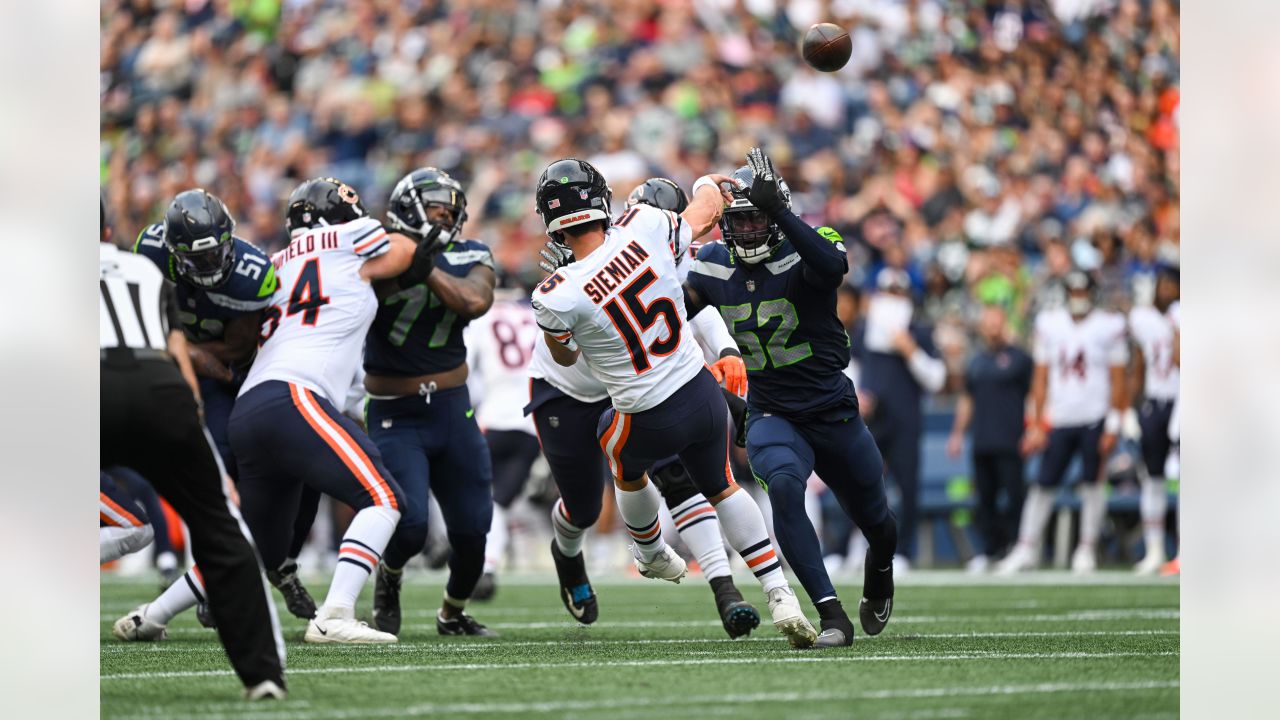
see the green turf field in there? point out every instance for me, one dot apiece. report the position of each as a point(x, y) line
point(1047, 647)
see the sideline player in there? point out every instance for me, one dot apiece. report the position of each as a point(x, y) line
point(419, 412)
point(1077, 401)
point(567, 402)
point(774, 280)
point(620, 308)
point(286, 431)
point(1155, 385)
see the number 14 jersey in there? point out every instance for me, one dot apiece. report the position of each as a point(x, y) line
point(623, 306)
point(314, 330)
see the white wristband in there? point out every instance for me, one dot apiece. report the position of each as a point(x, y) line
point(704, 180)
point(1112, 424)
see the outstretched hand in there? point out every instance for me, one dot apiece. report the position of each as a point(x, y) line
point(554, 257)
point(766, 185)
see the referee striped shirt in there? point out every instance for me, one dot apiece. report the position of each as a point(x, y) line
point(136, 306)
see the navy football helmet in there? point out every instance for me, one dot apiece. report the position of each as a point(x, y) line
point(416, 193)
point(197, 231)
point(746, 229)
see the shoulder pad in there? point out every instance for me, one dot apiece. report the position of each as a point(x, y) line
point(468, 252)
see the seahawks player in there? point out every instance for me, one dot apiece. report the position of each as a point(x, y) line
point(774, 280)
point(419, 412)
point(223, 283)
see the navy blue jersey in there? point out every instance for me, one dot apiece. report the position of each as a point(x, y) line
point(413, 332)
point(204, 311)
point(791, 341)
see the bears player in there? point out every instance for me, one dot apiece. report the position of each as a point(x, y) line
point(123, 525)
point(223, 284)
point(286, 431)
point(419, 412)
point(774, 279)
point(619, 307)
point(499, 346)
point(1155, 384)
point(567, 402)
point(1077, 399)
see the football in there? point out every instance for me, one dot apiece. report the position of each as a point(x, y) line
point(826, 47)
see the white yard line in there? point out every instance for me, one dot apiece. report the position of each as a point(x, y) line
point(680, 700)
point(665, 662)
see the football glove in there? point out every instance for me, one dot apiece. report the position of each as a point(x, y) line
point(765, 191)
point(424, 258)
point(731, 371)
point(554, 257)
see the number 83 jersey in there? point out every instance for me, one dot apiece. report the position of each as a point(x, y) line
point(623, 306)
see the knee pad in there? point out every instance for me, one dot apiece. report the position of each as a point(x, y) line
point(673, 481)
point(583, 511)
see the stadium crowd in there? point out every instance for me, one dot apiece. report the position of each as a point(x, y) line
point(983, 148)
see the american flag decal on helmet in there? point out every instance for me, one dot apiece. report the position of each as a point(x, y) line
point(553, 204)
point(583, 194)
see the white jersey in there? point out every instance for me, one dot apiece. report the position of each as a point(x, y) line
point(499, 346)
point(314, 330)
point(623, 306)
point(1080, 356)
point(1154, 333)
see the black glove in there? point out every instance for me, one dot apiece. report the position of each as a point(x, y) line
point(767, 187)
point(554, 257)
point(424, 259)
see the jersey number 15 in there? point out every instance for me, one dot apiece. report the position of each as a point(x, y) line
point(645, 316)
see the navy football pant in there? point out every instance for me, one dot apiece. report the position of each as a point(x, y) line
point(512, 454)
point(1064, 443)
point(783, 454)
point(994, 471)
point(285, 438)
point(1154, 418)
point(116, 507)
point(145, 494)
point(437, 447)
point(567, 433)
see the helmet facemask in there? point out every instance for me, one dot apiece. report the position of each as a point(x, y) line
point(748, 232)
point(208, 261)
point(411, 212)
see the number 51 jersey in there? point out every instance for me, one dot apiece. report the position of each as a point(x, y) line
point(313, 333)
point(623, 306)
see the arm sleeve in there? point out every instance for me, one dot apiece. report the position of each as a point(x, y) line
point(367, 238)
point(822, 250)
point(556, 324)
point(926, 367)
point(710, 332)
point(169, 307)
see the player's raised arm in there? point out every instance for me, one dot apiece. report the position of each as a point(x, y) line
point(470, 296)
point(823, 253)
point(707, 204)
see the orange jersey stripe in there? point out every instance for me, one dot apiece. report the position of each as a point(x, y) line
point(370, 242)
point(115, 507)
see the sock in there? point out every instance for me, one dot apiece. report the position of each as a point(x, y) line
point(832, 615)
point(496, 546)
point(882, 541)
point(568, 535)
point(1035, 513)
point(1093, 507)
point(744, 527)
point(455, 605)
point(699, 527)
point(183, 594)
point(1153, 504)
point(361, 549)
point(639, 510)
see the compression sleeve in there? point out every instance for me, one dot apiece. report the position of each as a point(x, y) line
point(821, 250)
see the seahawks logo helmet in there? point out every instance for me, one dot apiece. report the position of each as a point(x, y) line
point(571, 192)
point(198, 232)
point(660, 193)
point(417, 193)
point(747, 231)
point(320, 202)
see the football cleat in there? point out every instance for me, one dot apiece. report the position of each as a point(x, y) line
point(575, 589)
point(877, 597)
point(1083, 561)
point(340, 626)
point(485, 589)
point(1173, 567)
point(790, 619)
point(265, 690)
point(462, 624)
point(737, 615)
point(205, 616)
point(666, 565)
point(833, 637)
point(135, 627)
point(386, 600)
point(296, 597)
point(1019, 559)
point(1150, 564)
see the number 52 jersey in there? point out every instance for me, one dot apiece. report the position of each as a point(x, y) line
point(623, 306)
point(313, 332)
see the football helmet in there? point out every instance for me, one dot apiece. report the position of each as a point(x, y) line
point(572, 192)
point(197, 231)
point(1076, 281)
point(422, 189)
point(320, 202)
point(747, 231)
point(660, 193)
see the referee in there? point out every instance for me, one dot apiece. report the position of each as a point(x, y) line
point(150, 422)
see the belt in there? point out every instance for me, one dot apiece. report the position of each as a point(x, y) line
point(127, 354)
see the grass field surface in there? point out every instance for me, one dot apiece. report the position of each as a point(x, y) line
point(1047, 646)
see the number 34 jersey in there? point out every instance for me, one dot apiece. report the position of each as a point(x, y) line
point(623, 306)
point(1080, 356)
point(313, 332)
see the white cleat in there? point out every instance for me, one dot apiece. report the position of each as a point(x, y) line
point(666, 565)
point(265, 690)
point(1020, 559)
point(1150, 564)
point(978, 565)
point(135, 627)
point(340, 626)
point(790, 619)
point(1083, 561)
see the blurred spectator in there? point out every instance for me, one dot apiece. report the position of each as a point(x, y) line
point(993, 406)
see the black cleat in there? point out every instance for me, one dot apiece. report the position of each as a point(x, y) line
point(877, 597)
point(737, 615)
point(296, 597)
point(386, 601)
point(837, 628)
point(834, 637)
point(205, 615)
point(575, 588)
point(463, 624)
point(485, 589)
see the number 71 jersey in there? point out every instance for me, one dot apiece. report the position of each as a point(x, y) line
point(623, 306)
point(314, 331)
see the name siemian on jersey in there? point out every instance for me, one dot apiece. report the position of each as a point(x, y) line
point(610, 277)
